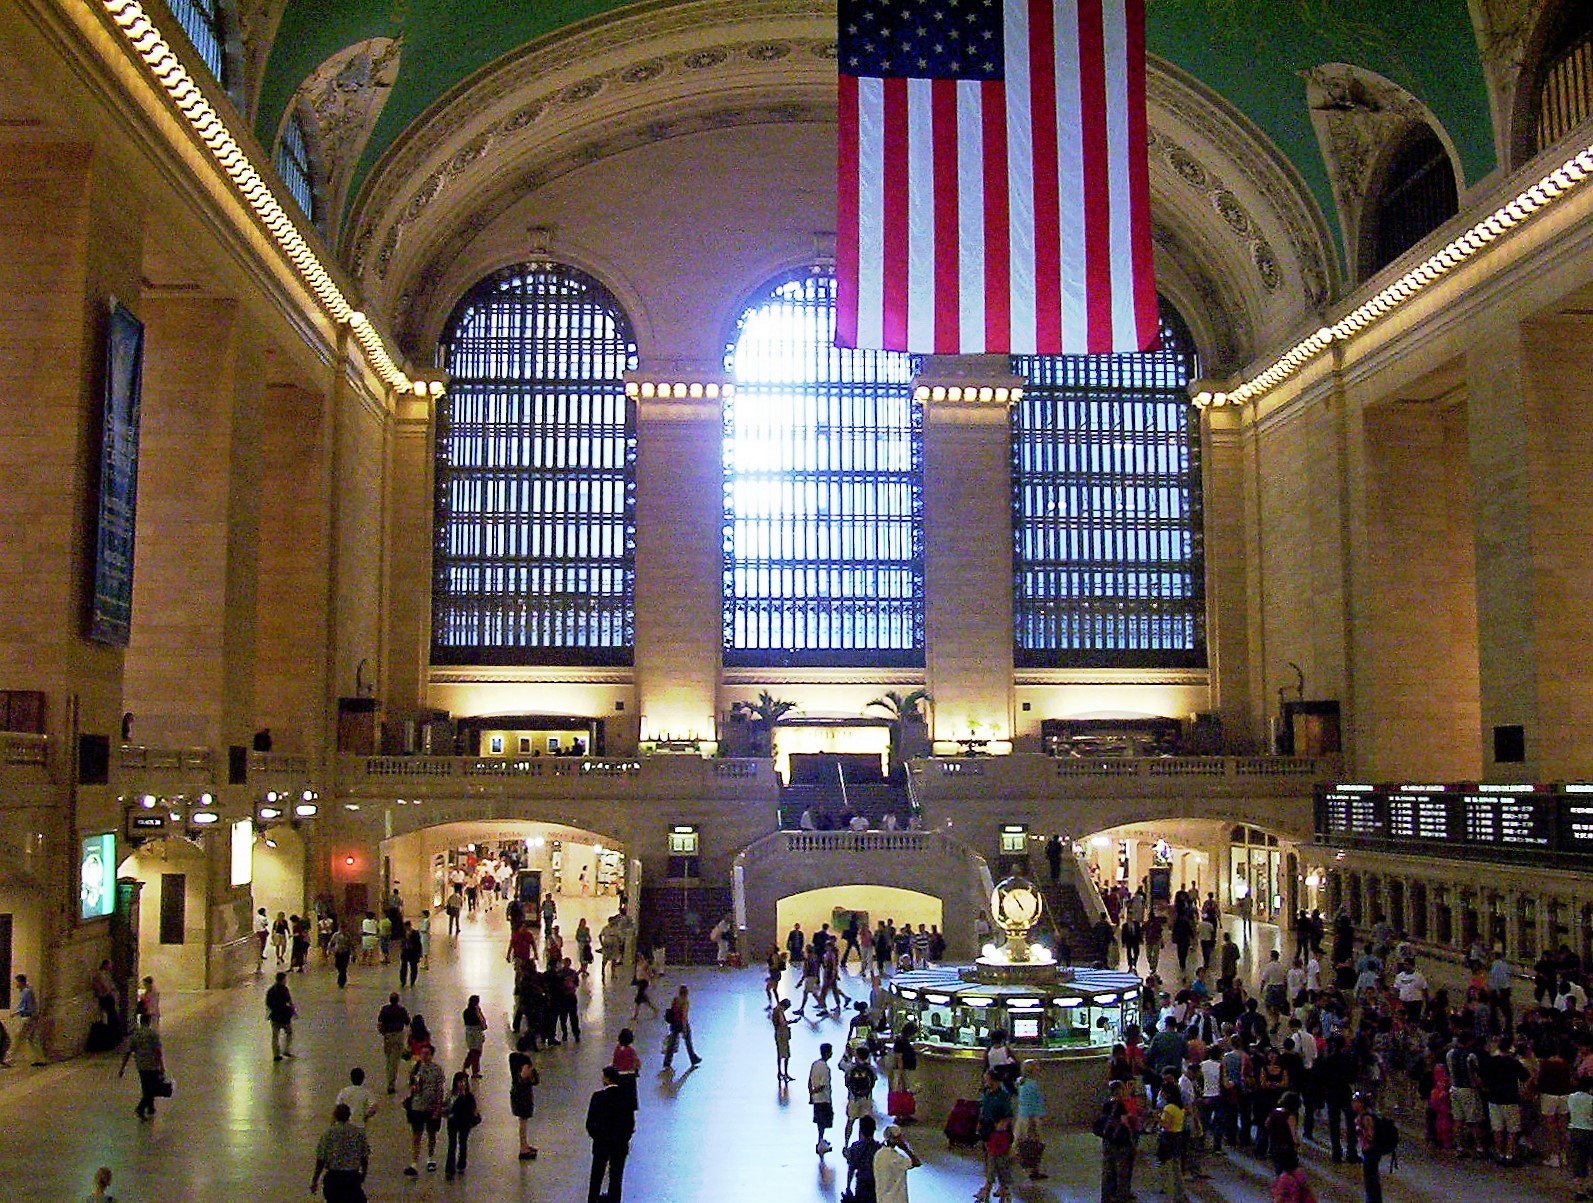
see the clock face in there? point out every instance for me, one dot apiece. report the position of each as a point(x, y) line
point(1019, 906)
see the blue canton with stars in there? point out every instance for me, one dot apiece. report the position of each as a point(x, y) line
point(922, 39)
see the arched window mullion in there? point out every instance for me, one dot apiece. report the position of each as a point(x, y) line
point(535, 472)
point(823, 561)
point(1108, 565)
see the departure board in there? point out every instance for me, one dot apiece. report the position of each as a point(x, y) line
point(1548, 824)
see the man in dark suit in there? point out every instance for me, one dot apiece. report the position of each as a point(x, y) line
point(610, 1121)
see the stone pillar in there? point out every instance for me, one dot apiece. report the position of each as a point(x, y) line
point(968, 637)
point(190, 665)
point(73, 240)
point(1432, 893)
point(292, 617)
point(1227, 578)
point(679, 559)
point(1497, 436)
point(409, 540)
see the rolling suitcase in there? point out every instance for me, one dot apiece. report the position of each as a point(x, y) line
point(962, 1125)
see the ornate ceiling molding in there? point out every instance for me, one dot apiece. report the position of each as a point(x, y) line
point(1282, 199)
point(257, 29)
point(344, 96)
point(1250, 243)
point(1359, 116)
point(1504, 31)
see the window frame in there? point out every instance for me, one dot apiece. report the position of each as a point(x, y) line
point(206, 32)
point(1173, 401)
point(604, 466)
point(296, 166)
point(851, 397)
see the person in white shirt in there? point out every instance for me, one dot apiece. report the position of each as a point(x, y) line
point(1295, 980)
point(1411, 987)
point(891, 1163)
point(821, 1096)
point(359, 1101)
point(1313, 974)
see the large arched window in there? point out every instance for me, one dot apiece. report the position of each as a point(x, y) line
point(295, 166)
point(534, 560)
point(823, 491)
point(1417, 194)
point(1107, 548)
point(205, 26)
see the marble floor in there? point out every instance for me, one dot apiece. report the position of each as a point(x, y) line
point(244, 1128)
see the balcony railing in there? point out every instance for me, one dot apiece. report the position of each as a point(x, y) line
point(443, 776)
point(856, 841)
point(1035, 776)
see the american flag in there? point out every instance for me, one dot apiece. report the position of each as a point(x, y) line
point(994, 190)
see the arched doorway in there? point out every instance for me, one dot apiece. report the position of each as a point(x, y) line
point(173, 913)
point(836, 905)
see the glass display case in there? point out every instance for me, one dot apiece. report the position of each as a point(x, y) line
point(1090, 1009)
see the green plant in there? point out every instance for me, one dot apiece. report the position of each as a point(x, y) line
point(765, 713)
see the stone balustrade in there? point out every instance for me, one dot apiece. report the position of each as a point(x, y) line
point(544, 776)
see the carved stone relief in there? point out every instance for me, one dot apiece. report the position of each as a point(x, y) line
point(257, 31)
point(1263, 170)
point(1504, 33)
point(1358, 115)
point(346, 95)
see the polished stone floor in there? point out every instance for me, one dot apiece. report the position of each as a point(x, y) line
point(244, 1128)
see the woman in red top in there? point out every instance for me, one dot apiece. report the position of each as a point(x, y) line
point(627, 1063)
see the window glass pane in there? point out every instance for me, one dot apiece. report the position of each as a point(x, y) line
point(823, 491)
point(293, 165)
point(535, 476)
point(1108, 565)
point(201, 21)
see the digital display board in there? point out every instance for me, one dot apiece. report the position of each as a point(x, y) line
point(97, 876)
point(1530, 823)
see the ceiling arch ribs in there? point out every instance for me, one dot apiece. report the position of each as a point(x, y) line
point(1237, 225)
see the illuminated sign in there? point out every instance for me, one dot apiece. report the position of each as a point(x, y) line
point(242, 852)
point(97, 876)
point(683, 841)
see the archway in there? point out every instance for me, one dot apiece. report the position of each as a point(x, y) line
point(835, 905)
point(173, 913)
point(588, 875)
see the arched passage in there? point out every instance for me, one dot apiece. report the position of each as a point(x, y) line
point(868, 904)
point(173, 912)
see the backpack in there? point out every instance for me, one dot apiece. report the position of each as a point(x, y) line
point(1385, 1139)
point(859, 1080)
point(672, 1017)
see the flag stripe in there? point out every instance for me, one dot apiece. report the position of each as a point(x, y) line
point(995, 288)
point(894, 249)
point(945, 284)
point(1049, 245)
point(1120, 228)
point(1095, 182)
point(871, 213)
point(848, 179)
point(969, 259)
point(1020, 181)
point(920, 214)
point(1147, 323)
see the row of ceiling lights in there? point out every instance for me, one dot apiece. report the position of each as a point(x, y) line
point(147, 41)
point(1547, 191)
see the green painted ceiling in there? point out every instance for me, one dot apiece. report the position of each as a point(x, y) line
point(1250, 51)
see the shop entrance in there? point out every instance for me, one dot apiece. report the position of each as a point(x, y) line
point(528, 859)
point(173, 912)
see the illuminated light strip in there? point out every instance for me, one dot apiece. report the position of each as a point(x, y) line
point(679, 389)
point(972, 392)
point(1547, 191)
point(156, 52)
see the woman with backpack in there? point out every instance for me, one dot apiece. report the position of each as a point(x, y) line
point(1372, 1135)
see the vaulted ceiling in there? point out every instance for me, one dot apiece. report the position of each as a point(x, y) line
point(1253, 53)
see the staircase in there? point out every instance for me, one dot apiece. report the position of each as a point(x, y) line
point(1072, 906)
point(831, 785)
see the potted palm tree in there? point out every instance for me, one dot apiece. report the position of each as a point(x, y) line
point(761, 717)
point(909, 731)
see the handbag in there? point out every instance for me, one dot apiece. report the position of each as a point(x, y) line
point(1030, 1150)
point(165, 1088)
point(1000, 1142)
